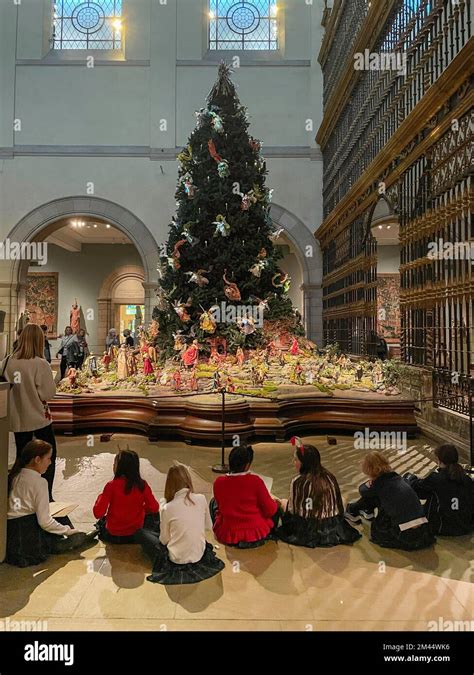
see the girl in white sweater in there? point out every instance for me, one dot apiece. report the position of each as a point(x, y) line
point(33, 387)
point(32, 533)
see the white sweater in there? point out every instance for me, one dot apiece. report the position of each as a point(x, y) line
point(29, 494)
point(183, 526)
point(33, 387)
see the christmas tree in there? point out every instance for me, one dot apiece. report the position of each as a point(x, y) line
point(220, 275)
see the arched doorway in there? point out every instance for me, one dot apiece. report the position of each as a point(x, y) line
point(121, 301)
point(47, 219)
point(305, 253)
point(385, 229)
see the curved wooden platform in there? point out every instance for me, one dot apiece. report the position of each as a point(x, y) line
point(198, 420)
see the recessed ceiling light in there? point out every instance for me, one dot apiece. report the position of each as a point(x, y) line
point(95, 225)
point(108, 226)
point(380, 227)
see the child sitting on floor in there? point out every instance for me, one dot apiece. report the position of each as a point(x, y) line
point(180, 553)
point(127, 503)
point(32, 533)
point(400, 521)
point(314, 515)
point(243, 511)
point(449, 494)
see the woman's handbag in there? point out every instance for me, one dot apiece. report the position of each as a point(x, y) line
point(2, 376)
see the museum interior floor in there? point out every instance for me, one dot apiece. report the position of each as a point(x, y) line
point(276, 587)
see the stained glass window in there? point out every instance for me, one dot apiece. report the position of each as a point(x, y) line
point(243, 24)
point(87, 24)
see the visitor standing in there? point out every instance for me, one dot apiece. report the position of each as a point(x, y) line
point(68, 350)
point(33, 386)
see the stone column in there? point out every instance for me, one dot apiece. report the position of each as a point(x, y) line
point(150, 300)
point(104, 319)
point(313, 311)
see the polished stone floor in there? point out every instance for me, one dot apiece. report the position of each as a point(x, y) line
point(276, 587)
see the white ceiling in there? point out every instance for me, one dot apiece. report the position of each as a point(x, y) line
point(78, 231)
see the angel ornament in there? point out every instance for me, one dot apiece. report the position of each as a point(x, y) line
point(207, 322)
point(179, 342)
point(231, 290)
point(276, 234)
point(280, 280)
point(222, 226)
point(256, 269)
point(181, 310)
point(188, 185)
point(247, 326)
point(198, 277)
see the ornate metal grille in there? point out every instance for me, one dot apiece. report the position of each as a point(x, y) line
point(350, 295)
point(87, 24)
point(243, 24)
point(353, 15)
point(432, 196)
point(437, 272)
point(427, 34)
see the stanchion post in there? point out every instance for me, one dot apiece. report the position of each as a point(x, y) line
point(222, 467)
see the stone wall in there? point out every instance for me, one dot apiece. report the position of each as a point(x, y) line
point(437, 423)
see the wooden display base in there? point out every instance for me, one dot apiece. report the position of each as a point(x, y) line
point(198, 419)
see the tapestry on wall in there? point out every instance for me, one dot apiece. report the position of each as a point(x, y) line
point(388, 306)
point(42, 300)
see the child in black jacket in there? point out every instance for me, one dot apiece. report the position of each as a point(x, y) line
point(400, 521)
point(449, 492)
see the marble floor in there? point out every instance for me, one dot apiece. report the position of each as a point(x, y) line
point(273, 588)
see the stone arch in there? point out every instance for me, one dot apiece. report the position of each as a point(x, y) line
point(106, 298)
point(311, 266)
point(119, 275)
point(42, 220)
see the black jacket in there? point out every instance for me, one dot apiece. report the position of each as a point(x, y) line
point(396, 497)
point(47, 350)
point(449, 517)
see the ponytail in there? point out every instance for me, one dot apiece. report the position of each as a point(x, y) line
point(448, 455)
point(30, 451)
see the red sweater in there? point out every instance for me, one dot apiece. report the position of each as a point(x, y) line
point(245, 508)
point(124, 513)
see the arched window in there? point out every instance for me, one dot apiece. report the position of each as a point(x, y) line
point(243, 24)
point(87, 24)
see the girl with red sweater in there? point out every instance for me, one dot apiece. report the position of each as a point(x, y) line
point(243, 511)
point(127, 503)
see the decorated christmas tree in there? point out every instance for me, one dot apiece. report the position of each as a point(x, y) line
point(221, 276)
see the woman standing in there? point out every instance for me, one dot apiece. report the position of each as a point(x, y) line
point(83, 351)
point(47, 344)
point(129, 341)
point(33, 386)
point(68, 350)
point(314, 514)
point(112, 340)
